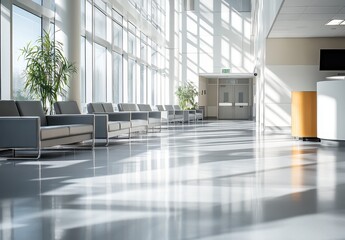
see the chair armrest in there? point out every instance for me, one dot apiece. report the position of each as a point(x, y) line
point(164, 114)
point(101, 126)
point(155, 114)
point(139, 115)
point(179, 112)
point(20, 132)
point(67, 119)
point(170, 112)
point(119, 116)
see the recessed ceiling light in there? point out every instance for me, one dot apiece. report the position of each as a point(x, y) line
point(335, 22)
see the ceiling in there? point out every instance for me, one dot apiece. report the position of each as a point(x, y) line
point(307, 18)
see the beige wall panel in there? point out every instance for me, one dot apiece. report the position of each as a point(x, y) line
point(202, 88)
point(211, 94)
point(299, 51)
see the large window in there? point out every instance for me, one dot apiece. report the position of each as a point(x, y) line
point(26, 28)
point(119, 61)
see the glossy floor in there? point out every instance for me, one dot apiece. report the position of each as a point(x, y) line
point(215, 180)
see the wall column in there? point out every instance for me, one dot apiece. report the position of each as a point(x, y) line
point(68, 15)
point(6, 48)
point(172, 37)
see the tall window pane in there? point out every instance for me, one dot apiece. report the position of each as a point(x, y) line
point(26, 28)
point(88, 16)
point(82, 70)
point(154, 53)
point(83, 14)
point(100, 80)
point(143, 70)
point(102, 5)
point(151, 87)
point(100, 24)
point(117, 77)
point(89, 71)
point(117, 16)
point(131, 80)
point(131, 43)
point(131, 39)
point(154, 14)
point(157, 87)
point(143, 47)
point(154, 87)
point(38, 1)
point(117, 34)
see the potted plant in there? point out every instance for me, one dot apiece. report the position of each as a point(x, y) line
point(186, 95)
point(47, 70)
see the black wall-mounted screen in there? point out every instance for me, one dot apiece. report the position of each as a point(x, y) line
point(332, 59)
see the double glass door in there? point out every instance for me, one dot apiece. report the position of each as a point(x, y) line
point(233, 99)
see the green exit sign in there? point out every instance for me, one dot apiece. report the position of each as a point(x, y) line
point(225, 70)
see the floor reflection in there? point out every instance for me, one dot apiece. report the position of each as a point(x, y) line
point(211, 180)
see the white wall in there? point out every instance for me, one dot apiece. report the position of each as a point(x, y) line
point(292, 65)
point(263, 15)
point(281, 80)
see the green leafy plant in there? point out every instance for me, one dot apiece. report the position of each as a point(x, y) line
point(47, 70)
point(186, 95)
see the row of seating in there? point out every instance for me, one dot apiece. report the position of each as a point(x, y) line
point(108, 123)
point(28, 127)
point(175, 113)
point(169, 113)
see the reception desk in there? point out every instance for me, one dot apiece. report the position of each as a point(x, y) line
point(331, 110)
point(303, 114)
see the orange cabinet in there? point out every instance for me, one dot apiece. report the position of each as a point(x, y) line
point(304, 114)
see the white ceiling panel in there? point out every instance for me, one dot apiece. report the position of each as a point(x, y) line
point(307, 18)
point(322, 10)
point(296, 10)
point(314, 3)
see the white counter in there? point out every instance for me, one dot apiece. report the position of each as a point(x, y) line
point(331, 110)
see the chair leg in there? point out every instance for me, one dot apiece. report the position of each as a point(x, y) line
point(107, 142)
point(39, 152)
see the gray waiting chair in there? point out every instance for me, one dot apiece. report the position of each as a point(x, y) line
point(199, 114)
point(139, 120)
point(24, 126)
point(178, 114)
point(155, 117)
point(124, 119)
point(167, 116)
point(189, 115)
